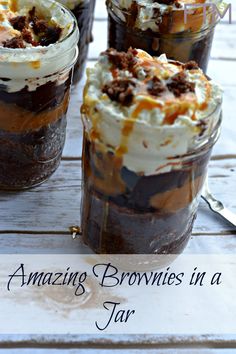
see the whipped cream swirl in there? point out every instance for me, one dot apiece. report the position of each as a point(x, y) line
point(146, 110)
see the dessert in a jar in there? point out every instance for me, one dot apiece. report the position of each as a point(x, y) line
point(149, 127)
point(38, 49)
point(84, 13)
point(181, 29)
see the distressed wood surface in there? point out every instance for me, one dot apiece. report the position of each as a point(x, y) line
point(38, 221)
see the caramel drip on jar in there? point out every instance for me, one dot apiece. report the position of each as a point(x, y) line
point(35, 64)
point(204, 105)
point(14, 5)
point(125, 133)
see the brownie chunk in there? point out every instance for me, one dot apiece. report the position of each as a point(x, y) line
point(191, 65)
point(19, 22)
point(47, 34)
point(120, 90)
point(155, 87)
point(178, 84)
point(16, 42)
point(27, 36)
point(122, 60)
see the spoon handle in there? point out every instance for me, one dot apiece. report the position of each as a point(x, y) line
point(217, 207)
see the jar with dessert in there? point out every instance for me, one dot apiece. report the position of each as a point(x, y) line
point(38, 50)
point(84, 13)
point(149, 128)
point(181, 29)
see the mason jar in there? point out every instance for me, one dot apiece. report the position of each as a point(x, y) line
point(34, 95)
point(84, 13)
point(144, 161)
point(181, 35)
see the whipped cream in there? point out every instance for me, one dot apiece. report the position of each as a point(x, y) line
point(33, 66)
point(152, 128)
point(149, 14)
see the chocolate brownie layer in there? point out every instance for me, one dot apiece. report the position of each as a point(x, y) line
point(28, 159)
point(155, 213)
point(110, 229)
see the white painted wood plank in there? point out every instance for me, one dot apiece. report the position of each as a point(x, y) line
point(100, 10)
point(223, 71)
point(227, 142)
point(55, 205)
point(219, 172)
point(51, 244)
point(64, 244)
point(74, 131)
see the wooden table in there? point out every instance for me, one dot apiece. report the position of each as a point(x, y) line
point(38, 220)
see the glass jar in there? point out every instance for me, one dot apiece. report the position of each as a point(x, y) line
point(128, 213)
point(34, 95)
point(84, 13)
point(181, 36)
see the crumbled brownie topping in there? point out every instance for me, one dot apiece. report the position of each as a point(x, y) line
point(27, 36)
point(32, 14)
point(120, 90)
point(178, 5)
point(16, 42)
point(51, 36)
point(157, 15)
point(191, 65)
point(19, 22)
point(155, 86)
point(122, 60)
point(31, 26)
point(39, 26)
point(179, 85)
point(47, 34)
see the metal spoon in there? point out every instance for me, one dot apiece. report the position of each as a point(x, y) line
point(217, 206)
